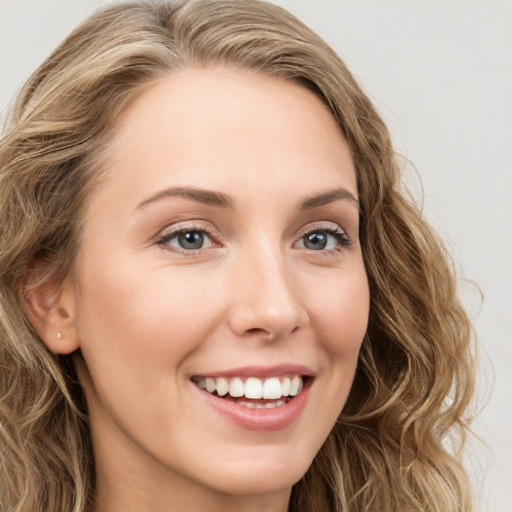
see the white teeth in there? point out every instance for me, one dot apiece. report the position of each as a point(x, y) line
point(285, 386)
point(236, 387)
point(272, 388)
point(254, 388)
point(295, 386)
point(254, 405)
point(222, 386)
point(249, 405)
point(210, 385)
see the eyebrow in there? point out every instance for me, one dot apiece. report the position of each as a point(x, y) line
point(221, 200)
point(208, 197)
point(327, 197)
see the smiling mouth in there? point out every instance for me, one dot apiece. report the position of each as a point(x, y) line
point(253, 392)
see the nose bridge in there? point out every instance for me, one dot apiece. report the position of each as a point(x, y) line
point(266, 300)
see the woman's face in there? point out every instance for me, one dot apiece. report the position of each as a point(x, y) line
point(221, 250)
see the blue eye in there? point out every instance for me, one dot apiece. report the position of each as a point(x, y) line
point(323, 239)
point(187, 240)
point(316, 241)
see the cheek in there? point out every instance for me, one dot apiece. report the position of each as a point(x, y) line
point(340, 313)
point(138, 327)
point(133, 321)
point(340, 323)
point(339, 318)
point(139, 302)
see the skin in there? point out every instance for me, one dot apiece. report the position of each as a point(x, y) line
point(147, 315)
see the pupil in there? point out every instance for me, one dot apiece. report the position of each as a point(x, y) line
point(316, 241)
point(191, 240)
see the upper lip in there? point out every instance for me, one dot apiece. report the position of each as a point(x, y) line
point(261, 371)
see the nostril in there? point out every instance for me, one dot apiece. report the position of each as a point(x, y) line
point(259, 319)
point(257, 330)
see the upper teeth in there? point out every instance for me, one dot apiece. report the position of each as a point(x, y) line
point(253, 387)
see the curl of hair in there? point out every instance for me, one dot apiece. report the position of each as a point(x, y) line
point(414, 382)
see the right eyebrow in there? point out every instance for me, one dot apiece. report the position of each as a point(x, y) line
point(208, 197)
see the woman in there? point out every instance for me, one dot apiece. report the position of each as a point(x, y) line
point(214, 295)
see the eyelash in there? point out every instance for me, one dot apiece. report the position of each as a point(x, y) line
point(163, 240)
point(341, 236)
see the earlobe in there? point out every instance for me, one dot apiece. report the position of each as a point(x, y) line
point(50, 309)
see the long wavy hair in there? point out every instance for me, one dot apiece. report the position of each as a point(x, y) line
point(392, 447)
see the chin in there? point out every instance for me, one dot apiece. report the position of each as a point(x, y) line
point(258, 477)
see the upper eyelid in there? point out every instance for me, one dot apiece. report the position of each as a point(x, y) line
point(169, 232)
point(204, 226)
point(185, 226)
point(336, 231)
point(325, 225)
point(216, 235)
point(163, 239)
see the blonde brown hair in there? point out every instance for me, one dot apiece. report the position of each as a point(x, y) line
point(415, 375)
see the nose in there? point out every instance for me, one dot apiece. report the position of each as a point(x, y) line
point(266, 303)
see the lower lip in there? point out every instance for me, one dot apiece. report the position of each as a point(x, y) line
point(276, 418)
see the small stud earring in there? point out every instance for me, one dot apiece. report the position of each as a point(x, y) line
point(59, 335)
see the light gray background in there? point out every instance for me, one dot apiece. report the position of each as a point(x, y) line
point(440, 71)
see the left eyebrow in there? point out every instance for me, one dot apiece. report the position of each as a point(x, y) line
point(329, 196)
point(219, 199)
point(208, 197)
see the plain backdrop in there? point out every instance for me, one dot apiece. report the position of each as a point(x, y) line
point(440, 72)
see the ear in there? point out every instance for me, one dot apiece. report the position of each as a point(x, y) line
point(51, 310)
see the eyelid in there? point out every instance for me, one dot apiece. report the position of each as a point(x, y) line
point(174, 229)
point(322, 226)
point(329, 227)
point(187, 225)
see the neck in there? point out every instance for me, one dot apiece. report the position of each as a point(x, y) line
point(126, 497)
point(129, 481)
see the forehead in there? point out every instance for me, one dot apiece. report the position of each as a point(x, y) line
point(228, 128)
